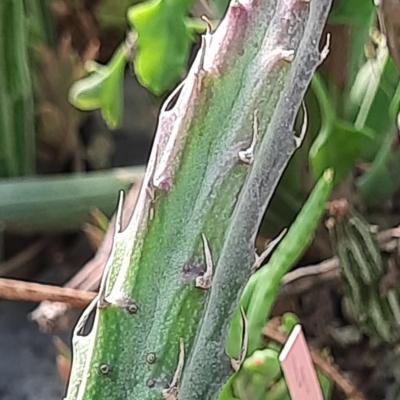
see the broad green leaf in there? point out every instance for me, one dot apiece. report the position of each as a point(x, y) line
point(103, 89)
point(379, 107)
point(383, 179)
point(374, 92)
point(339, 144)
point(377, 92)
point(163, 42)
point(366, 85)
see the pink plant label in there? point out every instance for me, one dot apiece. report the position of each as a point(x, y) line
point(298, 368)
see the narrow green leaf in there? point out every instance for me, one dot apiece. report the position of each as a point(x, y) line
point(62, 202)
point(17, 139)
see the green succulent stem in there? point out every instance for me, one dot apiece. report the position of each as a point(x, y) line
point(176, 273)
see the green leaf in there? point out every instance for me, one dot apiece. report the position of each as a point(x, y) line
point(383, 174)
point(339, 144)
point(359, 16)
point(57, 203)
point(264, 362)
point(103, 89)
point(326, 385)
point(163, 42)
point(375, 93)
point(17, 136)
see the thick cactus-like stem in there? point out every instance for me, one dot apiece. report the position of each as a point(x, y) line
point(176, 273)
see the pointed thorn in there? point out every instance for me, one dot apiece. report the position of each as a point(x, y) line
point(150, 192)
point(120, 208)
point(171, 393)
point(287, 55)
point(326, 48)
point(80, 325)
point(277, 56)
point(163, 181)
point(209, 25)
point(101, 297)
point(299, 139)
point(130, 43)
point(101, 300)
point(247, 156)
point(166, 107)
point(202, 54)
point(245, 341)
point(151, 213)
point(204, 281)
point(236, 364)
point(268, 250)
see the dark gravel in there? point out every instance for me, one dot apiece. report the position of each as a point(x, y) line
point(27, 358)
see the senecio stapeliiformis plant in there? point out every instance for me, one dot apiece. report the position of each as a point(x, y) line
point(176, 273)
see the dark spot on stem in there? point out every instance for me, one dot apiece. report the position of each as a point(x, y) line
point(151, 358)
point(151, 383)
point(191, 271)
point(105, 369)
point(132, 308)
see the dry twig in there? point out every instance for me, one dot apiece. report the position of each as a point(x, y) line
point(12, 289)
point(306, 278)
